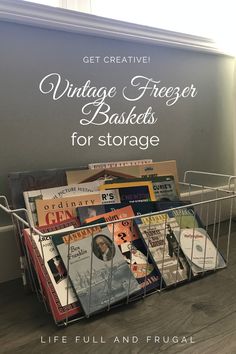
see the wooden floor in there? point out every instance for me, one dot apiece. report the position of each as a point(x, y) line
point(196, 318)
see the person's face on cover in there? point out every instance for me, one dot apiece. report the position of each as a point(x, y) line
point(101, 244)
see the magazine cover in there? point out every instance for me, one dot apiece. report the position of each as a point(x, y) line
point(53, 276)
point(50, 211)
point(157, 232)
point(126, 236)
point(54, 193)
point(164, 186)
point(199, 249)
point(98, 272)
point(104, 91)
point(132, 191)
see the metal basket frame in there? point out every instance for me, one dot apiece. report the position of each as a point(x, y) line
point(222, 199)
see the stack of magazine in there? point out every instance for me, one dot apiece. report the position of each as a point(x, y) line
point(118, 231)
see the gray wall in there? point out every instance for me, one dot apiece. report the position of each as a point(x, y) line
point(35, 130)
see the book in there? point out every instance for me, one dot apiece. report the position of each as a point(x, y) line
point(54, 193)
point(89, 175)
point(86, 212)
point(186, 217)
point(33, 180)
point(165, 251)
point(94, 166)
point(19, 182)
point(140, 208)
point(132, 191)
point(51, 272)
point(163, 168)
point(182, 212)
point(192, 237)
point(29, 180)
point(163, 186)
point(97, 269)
point(125, 235)
point(199, 249)
point(123, 231)
point(141, 265)
point(51, 211)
